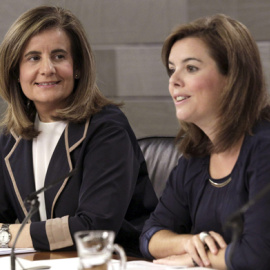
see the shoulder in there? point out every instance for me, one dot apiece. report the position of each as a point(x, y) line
point(262, 128)
point(110, 115)
point(110, 122)
point(111, 119)
point(8, 138)
point(257, 145)
point(7, 141)
point(260, 134)
point(110, 127)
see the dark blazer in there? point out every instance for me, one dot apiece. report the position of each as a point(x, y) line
point(109, 191)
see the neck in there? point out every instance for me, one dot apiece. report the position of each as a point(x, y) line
point(45, 116)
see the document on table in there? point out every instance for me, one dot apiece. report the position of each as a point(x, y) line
point(139, 265)
point(72, 263)
point(7, 251)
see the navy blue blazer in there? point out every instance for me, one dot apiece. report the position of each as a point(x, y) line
point(109, 191)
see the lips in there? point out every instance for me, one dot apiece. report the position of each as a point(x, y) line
point(180, 98)
point(47, 83)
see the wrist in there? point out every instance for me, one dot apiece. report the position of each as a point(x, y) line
point(5, 235)
point(25, 240)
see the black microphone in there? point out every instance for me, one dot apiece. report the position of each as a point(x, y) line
point(33, 195)
point(235, 220)
point(32, 201)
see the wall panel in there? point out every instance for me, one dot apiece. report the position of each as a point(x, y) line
point(127, 36)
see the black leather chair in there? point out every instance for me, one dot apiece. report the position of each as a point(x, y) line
point(161, 156)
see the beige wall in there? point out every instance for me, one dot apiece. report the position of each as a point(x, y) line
point(127, 35)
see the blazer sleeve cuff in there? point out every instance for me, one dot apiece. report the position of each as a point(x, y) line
point(58, 233)
point(145, 239)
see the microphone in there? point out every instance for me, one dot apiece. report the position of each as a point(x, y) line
point(32, 201)
point(33, 195)
point(235, 220)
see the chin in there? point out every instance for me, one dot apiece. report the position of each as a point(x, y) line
point(181, 117)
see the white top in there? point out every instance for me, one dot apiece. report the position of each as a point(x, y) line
point(43, 148)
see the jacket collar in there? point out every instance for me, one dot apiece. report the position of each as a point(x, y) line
point(20, 166)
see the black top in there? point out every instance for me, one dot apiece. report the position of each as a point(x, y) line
point(191, 204)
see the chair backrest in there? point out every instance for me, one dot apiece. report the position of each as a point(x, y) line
point(161, 156)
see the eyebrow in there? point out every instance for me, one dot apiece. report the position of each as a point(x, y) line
point(187, 59)
point(53, 51)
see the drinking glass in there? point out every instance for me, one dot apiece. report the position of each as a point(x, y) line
point(95, 249)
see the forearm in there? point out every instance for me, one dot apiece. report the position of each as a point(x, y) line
point(24, 240)
point(217, 261)
point(165, 243)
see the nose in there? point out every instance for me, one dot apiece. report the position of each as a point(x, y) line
point(47, 67)
point(176, 79)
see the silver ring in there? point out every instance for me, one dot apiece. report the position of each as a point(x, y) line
point(202, 236)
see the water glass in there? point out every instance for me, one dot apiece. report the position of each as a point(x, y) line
point(95, 249)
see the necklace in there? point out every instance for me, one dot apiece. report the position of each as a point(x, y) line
point(220, 185)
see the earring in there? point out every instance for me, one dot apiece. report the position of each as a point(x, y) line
point(76, 76)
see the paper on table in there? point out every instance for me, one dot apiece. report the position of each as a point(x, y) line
point(150, 266)
point(138, 265)
point(72, 263)
point(67, 264)
point(7, 251)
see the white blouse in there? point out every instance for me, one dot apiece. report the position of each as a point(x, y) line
point(43, 148)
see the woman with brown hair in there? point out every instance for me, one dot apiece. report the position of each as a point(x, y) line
point(58, 120)
point(217, 86)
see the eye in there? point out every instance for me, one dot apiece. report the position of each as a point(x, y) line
point(170, 71)
point(59, 56)
point(33, 58)
point(191, 68)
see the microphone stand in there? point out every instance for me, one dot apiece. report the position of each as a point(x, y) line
point(34, 206)
point(235, 221)
point(32, 201)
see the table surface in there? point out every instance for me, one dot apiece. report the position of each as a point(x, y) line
point(47, 255)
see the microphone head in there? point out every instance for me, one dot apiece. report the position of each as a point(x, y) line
point(32, 197)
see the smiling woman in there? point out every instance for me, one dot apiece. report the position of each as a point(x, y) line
point(58, 120)
point(195, 83)
point(217, 85)
point(46, 72)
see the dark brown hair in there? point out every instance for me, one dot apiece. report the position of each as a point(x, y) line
point(243, 101)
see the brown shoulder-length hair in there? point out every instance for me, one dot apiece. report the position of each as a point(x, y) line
point(243, 101)
point(85, 100)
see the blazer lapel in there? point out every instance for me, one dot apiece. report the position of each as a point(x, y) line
point(20, 168)
point(61, 163)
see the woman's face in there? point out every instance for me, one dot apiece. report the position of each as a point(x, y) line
point(195, 83)
point(46, 71)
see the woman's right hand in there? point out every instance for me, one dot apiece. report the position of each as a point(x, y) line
point(176, 260)
point(198, 249)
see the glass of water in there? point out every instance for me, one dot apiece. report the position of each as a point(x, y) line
point(95, 250)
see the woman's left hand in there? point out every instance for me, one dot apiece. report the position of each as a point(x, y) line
point(179, 260)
